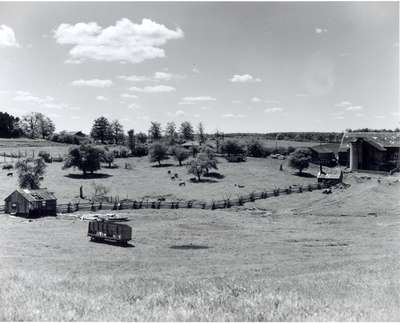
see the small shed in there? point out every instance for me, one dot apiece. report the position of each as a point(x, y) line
point(331, 178)
point(191, 144)
point(31, 203)
point(324, 154)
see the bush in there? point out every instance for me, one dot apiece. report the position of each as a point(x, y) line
point(256, 149)
point(45, 155)
point(233, 147)
point(140, 151)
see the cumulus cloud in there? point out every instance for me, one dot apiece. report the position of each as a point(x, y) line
point(273, 110)
point(93, 83)
point(123, 42)
point(232, 115)
point(47, 102)
point(195, 70)
point(255, 100)
point(343, 104)
point(245, 78)
point(7, 37)
point(193, 99)
point(134, 106)
point(156, 77)
point(101, 98)
point(319, 30)
point(128, 96)
point(354, 108)
point(153, 89)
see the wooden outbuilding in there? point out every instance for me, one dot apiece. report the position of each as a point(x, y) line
point(31, 203)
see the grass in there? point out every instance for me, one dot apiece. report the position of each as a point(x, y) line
point(286, 258)
point(297, 257)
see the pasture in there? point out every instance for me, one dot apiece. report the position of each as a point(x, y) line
point(310, 256)
point(297, 257)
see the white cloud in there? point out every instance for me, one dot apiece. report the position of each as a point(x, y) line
point(343, 104)
point(232, 115)
point(47, 102)
point(245, 78)
point(195, 70)
point(273, 110)
point(153, 89)
point(197, 99)
point(179, 113)
point(157, 77)
point(354, 108)
point(93, 83)
point(7, 37)
point(123, 42)
point(101, 98)
point(128, 96)
point(72, 61)
point(134, 106)
point(255, 100)
point(319, 30)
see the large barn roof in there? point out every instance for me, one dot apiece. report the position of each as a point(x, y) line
point(36, 195)
point(377, 139)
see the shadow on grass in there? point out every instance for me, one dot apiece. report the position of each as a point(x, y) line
point(88, 176)
point(189, 247)
point(308, 175)
point(162, 165)
point(214, 175)
point(203, 180)
point(112, 243)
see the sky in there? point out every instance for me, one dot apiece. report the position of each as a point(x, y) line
point(236, 67)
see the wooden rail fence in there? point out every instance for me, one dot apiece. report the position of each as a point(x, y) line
point(156, 204)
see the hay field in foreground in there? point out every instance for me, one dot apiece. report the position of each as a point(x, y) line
point(305, 256)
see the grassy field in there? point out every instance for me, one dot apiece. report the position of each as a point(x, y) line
point(305, 256)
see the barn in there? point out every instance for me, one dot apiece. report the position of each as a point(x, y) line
point(31, 203)
point(370, 151)
point(324, 154)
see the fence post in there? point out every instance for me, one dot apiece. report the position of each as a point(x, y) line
point(69, 207)
point(92, 208)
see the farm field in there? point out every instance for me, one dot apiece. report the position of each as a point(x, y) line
point(147, 182)
point(310, 256)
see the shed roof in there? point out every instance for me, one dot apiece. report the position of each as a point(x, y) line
point(380, 140)
point(190, 144)
point(326, 148)
point(35, 195)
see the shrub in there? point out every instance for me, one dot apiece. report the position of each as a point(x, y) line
point(256, 149)
point(233, 147)
point(45, 155)
point(180, 154)
point(140, 151)
point(108, 157)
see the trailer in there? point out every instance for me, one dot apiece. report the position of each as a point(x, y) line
point(109, 231)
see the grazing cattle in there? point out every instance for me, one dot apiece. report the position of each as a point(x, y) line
point(40, 178)
point(173, 178)
point(10, 174)
point(161, 199)
point(241, 186)
point(169, 172)
point(182, 184)
point(176, 175)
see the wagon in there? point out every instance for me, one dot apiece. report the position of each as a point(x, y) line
point(110, 231)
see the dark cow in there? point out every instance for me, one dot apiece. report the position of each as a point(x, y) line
point(10, 174)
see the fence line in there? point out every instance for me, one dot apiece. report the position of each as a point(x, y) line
point(195, 204)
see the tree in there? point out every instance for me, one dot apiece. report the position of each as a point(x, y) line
point(201, 166)
point(30, 173)
point(101, 129)
point(131, 141)
point(158, 152)
point(186, 131)
point(208, 159)
point(233, 147)
point(9, 126)
point(180, 154)
point(108, 157)
point(170, 132)
point(37, 125)
point(86, 157)
point(300, 159)
point(117, 132)
point(155, 131)
point(141, 137)
point(256, 149)
point(200, 132)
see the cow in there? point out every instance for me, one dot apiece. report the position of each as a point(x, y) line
point(10, 174)
point(182, 184)
point(173, 178)
point(176, 175)
point(169, 172)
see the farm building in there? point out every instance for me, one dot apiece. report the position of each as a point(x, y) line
point(324, 154)
point(31, 203)
point(333, 177)
point(370, 151)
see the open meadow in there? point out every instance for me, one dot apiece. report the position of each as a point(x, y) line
point(308, 257)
